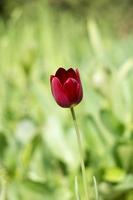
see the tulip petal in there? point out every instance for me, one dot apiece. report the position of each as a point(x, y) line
point(79, 92)
point(61, 74)
point(79, 88)
point(51, 78)
point(59, 93)
point(71, 73)
point(70, 87)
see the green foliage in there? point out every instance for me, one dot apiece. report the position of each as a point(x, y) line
point(38, 150)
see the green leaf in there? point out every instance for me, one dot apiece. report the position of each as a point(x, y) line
point(126, 184)
point(114, 174)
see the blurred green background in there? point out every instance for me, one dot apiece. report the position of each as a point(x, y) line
point(39, 158)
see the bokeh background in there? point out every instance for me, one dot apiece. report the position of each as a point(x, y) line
point(39, 158)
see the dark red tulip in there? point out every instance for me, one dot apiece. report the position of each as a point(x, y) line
point(66, 87)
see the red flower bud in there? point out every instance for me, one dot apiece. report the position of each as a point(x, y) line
point(66, 87)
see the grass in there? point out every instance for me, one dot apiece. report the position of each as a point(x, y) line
point(38, 152)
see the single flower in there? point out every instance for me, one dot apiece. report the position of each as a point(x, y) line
point(66, 87)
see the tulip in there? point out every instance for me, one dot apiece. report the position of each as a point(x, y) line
point(67, 90)
point(66, 87)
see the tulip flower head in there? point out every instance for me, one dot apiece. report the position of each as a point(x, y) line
point(66, 87)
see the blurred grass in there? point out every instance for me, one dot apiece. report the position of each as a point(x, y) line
point(38, 150)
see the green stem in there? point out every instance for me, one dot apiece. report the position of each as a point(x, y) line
point(77, 189)
point(3, 194)
point(96, 189)
point(81, 154)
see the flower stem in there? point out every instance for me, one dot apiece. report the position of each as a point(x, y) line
point(81, 154)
